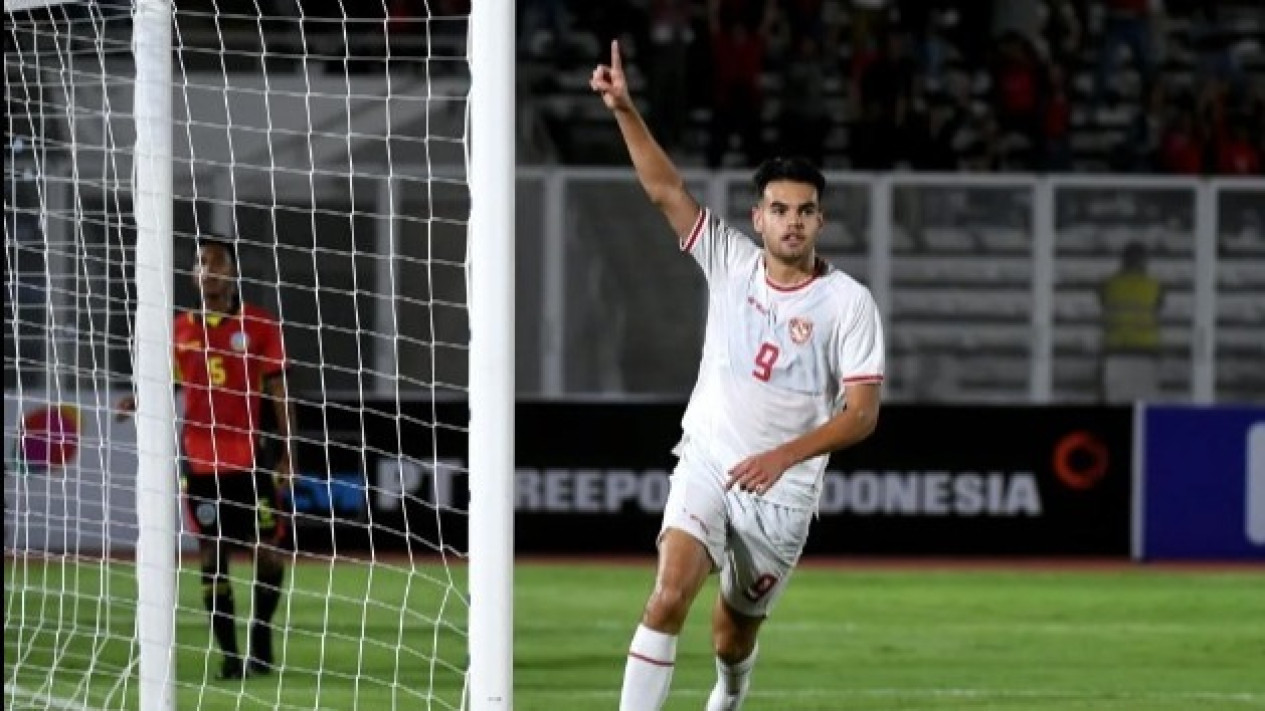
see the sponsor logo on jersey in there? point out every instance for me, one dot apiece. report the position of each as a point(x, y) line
point(189, 345)
point(239, 341)
point(801, 330)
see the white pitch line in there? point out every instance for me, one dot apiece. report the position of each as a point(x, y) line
point(1245, 697)
point(47, 701)
point(1095, 628)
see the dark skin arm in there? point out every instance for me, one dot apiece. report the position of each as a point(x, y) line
point(278, 395)
point(126, 405)
point(275, 389)
point(853, 424)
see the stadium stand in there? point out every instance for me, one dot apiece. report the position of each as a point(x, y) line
point(901, 85)
point(972, 81)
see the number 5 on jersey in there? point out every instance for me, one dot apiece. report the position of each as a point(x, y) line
point(215, 369)
point(764, 360)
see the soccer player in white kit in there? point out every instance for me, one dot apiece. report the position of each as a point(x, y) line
point(791, 370)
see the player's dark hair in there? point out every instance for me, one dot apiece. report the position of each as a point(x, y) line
point(229, 247)
point(793, 168)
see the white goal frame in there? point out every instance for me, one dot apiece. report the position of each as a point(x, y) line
point(490, 286)
point(156, 539)
point(490, 283)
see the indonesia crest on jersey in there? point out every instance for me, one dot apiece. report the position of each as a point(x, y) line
point(777, 362)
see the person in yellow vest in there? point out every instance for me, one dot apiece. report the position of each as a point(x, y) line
point(1131, 301)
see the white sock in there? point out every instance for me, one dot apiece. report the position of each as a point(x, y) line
point(732, 682)
point(651, 659)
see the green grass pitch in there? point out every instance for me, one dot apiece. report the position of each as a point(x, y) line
point(939, 637)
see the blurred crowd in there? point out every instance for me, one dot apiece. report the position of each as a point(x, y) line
point(979, 85)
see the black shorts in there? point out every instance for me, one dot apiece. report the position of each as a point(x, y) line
point(240, 508)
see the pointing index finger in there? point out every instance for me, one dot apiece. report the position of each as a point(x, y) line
point(617, 64)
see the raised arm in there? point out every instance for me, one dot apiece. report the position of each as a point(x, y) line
point(658, 176)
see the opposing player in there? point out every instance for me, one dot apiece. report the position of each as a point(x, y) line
point(229, 356)
point(791, 370)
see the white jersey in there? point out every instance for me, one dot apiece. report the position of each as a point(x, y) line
point(776, 362)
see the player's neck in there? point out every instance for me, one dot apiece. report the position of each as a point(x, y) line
point(790, 275)
point(219, 306)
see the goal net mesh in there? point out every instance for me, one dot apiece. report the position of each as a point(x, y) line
point(327, 140)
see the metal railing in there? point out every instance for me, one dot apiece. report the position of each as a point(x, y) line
point(987, 283)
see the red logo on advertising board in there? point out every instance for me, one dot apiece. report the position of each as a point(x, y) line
point(1080, 460)
point(49, 438)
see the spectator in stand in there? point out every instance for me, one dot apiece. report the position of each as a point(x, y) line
point(1128, 23)
point(738, 61)
point(804, 18)
point(883, 93)
point(1181, 149)
point(671, 35)
point(1131, 301)
point(1256, 113)
point(1140, 149)
point(1215, 106)
point(1017, 90)
point(981, 149)
point(805, 119)
point(541, 23)
point(948, 127)
point(1056, 124)
point(1062, 33)
point(616, 19)
point(751, 13)
point(1022, 18)
point(869, 23)
point(1236, 154)
point(1213, 47)
point(968, 29)
point(929, 47)
point(1222, 110)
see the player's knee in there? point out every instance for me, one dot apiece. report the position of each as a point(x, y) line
point(214, 562)
point(215, 580)
point(667, 607)
point(731, 646)
point(733, 634)
point(269, 570)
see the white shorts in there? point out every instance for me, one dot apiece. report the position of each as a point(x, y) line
point(754, 543)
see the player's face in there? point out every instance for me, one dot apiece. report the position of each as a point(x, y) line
point(214, 274)
point(789, 219)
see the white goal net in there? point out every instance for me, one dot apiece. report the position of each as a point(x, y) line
point(325, 141)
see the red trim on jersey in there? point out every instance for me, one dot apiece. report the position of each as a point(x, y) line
point(651, 660)
point(688, 244)
point(862, 379)
point(819, 268)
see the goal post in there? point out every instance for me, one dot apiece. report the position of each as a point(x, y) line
point(360, 158)
point(156, 492)
point(491, 272)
